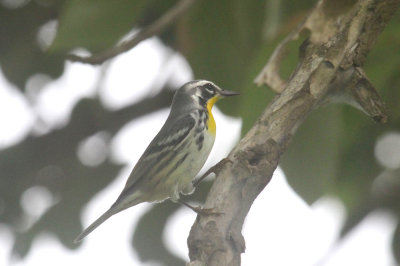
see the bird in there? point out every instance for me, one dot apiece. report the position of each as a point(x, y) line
point(169, 165)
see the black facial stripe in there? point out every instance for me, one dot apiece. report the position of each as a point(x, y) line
point(206, 94)
point(203, 101)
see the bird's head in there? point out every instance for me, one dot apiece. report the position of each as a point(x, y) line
point(200, 94)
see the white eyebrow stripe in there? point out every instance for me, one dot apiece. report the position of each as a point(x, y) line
point(199, 83)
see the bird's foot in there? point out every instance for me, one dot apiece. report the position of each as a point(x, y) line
point(200, 210)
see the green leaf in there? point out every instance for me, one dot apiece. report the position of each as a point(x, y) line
point(310, 163)
point(220, 39)
point(20, 54)
point(62, 219)
point(95, 24)
point(147, 238)
point(253, 99)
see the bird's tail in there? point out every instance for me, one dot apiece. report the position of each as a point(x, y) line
point(95, 224)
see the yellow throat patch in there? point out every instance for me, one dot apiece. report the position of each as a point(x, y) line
point(212, 128)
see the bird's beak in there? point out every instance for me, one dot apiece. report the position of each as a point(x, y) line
point(226, 93)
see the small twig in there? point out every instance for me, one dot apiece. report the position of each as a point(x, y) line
point(368, 98)
point(352, 86)
point(269, 75)
point(156, 27)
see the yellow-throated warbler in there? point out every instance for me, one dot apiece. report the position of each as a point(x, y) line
point(170, 163)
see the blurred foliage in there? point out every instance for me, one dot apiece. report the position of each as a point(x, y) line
point(20, 54)
point(224, 41)
point(95, 25)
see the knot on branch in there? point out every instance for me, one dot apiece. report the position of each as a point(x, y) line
point(258, 157)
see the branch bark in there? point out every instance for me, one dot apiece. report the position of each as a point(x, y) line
point(341, 35)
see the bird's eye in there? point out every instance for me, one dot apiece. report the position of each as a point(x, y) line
point(209, 89)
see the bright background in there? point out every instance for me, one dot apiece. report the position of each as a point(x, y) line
point(279, 222)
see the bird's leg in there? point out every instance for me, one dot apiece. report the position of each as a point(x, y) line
point(199, 210)
point(215, 169)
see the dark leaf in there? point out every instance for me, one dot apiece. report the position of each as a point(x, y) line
point(62, 219)
point(147, 239)
point(20, 54)
point(310, 163)
point(95, 25)
point(220, 40)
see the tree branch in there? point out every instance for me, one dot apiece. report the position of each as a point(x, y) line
point(158, 26)
point(340, 39)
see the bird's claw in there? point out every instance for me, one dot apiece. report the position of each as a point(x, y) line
point(206, 211)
